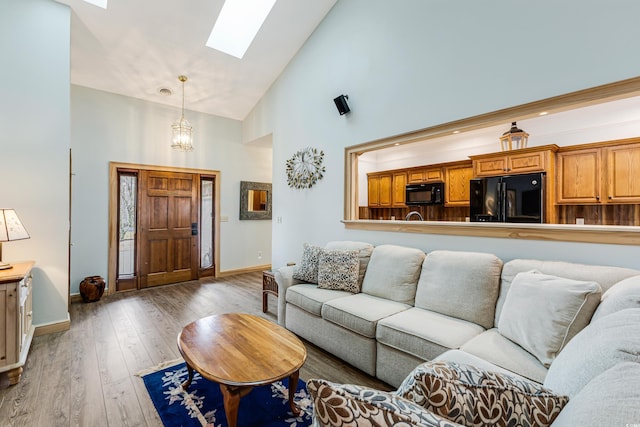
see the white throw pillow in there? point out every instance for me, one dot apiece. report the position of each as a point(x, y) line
point(542, 313)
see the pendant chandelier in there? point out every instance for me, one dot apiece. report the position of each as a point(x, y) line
point(182, 130)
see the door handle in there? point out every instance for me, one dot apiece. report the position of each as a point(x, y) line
point(194, 228)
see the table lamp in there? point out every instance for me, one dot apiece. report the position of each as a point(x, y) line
point(10, 229)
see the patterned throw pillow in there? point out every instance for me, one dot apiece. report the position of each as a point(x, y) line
point(307, 270)
point(341, 405)
point(339, 270)
point(474, 397)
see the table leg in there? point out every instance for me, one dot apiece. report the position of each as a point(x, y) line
point(231, 398)
point(187, 383)
point(265, 303)
point(293, 384)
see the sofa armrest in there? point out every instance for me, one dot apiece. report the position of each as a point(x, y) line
point(284, 279)
point(348, 404)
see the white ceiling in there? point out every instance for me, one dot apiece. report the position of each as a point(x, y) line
point(137, 47)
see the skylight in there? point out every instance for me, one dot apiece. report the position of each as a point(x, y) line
point(99, 3)
point(237, 25)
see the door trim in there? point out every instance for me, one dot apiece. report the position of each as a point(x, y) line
point(113, 214)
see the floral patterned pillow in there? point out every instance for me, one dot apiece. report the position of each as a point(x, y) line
point(339, 270)
point(342, 405)
point(474, 397)
point(307, 270)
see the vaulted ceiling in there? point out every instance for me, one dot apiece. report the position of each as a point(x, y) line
point(135, 48)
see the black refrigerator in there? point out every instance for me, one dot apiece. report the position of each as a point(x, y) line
point(513, 198)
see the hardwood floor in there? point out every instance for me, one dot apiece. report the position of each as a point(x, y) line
point(86, 376)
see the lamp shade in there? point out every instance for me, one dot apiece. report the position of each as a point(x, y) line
point(11, 227)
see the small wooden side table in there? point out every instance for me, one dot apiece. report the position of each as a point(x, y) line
point(269, 286)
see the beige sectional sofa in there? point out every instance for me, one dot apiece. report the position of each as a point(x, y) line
point(462, 307)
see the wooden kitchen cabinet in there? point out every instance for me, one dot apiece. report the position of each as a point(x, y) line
point(457, 177)
point(623, 173)
point(579, 176)
point(417, 176)
point(398, 193)
point(16, 320)
point(604, 174)
point(525, 160)
point(379, 189)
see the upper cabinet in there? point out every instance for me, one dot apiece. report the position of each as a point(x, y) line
point(623, 173)
point(525, 160)
point(579, 176)
point(456, 184)
point(600, 173)
point(419, 175)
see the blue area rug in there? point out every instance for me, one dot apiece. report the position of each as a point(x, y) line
point(264, 406)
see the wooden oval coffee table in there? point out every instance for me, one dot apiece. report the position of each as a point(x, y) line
point(240, 351)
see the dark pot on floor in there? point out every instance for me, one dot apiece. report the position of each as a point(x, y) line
point(92, 288)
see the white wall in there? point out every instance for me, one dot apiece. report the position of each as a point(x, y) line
point(422, 64)
point(107, 127)
point(34, 118)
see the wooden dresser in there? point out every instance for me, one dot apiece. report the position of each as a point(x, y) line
point(16, 328)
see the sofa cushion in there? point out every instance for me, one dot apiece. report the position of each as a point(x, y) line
point(471, 279)
point(598, 347)
point(307, 269)
point(463, 358)
point(603, 275)
point(360, 313)
point(393, 273)
point(542, 312)
point(309, 298)
point(364, 254)
point(415, 331)
point(625, 294)
point(607, 400)
point(338, 270)
point(475, 397)
point(495, 348)
point(352, 405)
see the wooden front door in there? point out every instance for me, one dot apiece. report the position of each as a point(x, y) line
point(168, 219)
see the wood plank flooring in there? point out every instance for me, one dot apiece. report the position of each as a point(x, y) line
point(86, 376)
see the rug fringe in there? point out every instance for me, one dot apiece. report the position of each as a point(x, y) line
point(159, 366)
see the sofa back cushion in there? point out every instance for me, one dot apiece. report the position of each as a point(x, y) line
point(393, 273)
point(609, 399)
point(605, 276)
point(598, 347)
point(364, 254)
point(464, 285)
point(625, 294)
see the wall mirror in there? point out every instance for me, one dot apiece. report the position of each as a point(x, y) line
point(255, 200)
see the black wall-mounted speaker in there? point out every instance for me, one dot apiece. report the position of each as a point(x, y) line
point(341, 104)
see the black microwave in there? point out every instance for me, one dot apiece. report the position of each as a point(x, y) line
point(424, 194)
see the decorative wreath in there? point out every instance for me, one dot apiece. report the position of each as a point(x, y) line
point(305, 168)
